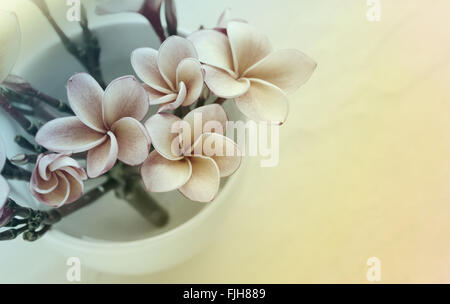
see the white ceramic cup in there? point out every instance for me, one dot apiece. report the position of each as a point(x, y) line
point(110, 236)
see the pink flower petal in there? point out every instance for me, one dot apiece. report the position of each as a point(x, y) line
point(177, 103)
point(162, 129)
point(190, 73)
point(85, 99)
point(155, 97)
point(118, 6)
point(213, 49)
point(102, 158)
point(132, 140)
point(287, 69)
point(57, 179)
point(145, 64)
point(248, 46)
point(124, 97)
point(64, 161)
point(43, 162)
point(43, 186)
point(171, 53)
point(4, 191)
point(68, 135)
point(77, 173)
point(9, 42)
point(264, 102)
point(162, 175)
point(222, 150)
point(58, 196)
point(204, 182)
point(76, 188)
point(209, 118)
point(223, 85)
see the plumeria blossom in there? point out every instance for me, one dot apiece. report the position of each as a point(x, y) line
point(173, 76)
point(57, 180)
point(4, 187)
point(192, 169)
point(107, 124)
point(9, 42)
point(243, 66)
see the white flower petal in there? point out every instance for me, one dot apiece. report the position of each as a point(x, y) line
point(156, 97)
point(133, 141)
point(213, 49)
point(264, 102)
point(58, 196)
point(178, 101)
point(162, 175)
point(161, 129)
point(76, 188)
point(102, 158)
point(287, 69)
point(124, 97)
point(68, 135)
point(212, 116)
point(171, 53)
point(190, 73)
point(222, 84)
point(248, 46)
point(145, 64)
point(85, 99)
point(222, 150)
point(204, 183)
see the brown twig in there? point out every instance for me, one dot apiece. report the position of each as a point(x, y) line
point(20, 118)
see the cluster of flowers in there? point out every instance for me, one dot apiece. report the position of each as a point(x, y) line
point(234, 61)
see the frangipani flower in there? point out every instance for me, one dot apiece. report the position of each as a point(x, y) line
point(4, 187)
point(195, 172)
point(242, 65)
point(173, 76)
point(9, 42)
point(57, 180)
point(107, 124)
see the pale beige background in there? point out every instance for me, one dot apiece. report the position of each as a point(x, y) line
point(364, 168)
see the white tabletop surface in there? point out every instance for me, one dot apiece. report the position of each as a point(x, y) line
point(364, 163)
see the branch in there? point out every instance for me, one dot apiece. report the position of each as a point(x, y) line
point(11, 171)
point(20, 118)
